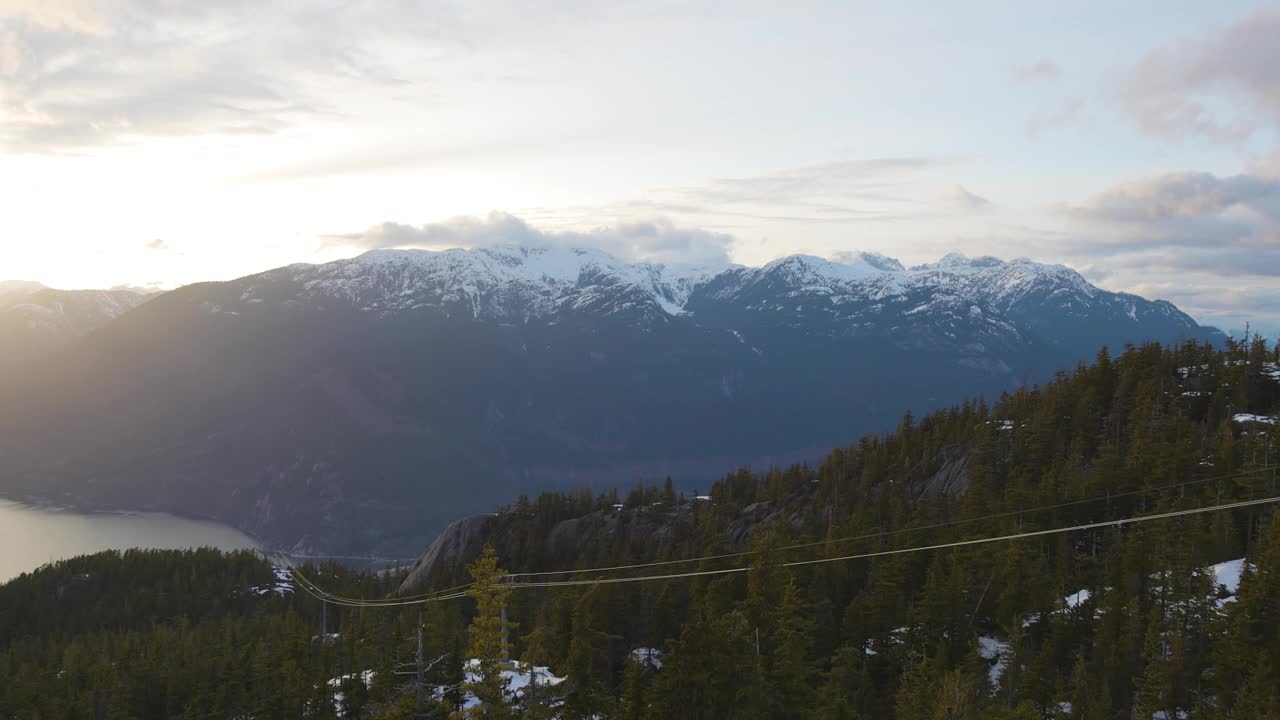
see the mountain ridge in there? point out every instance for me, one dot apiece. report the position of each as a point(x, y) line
point(558, 269)
point(360, 405)
point(36, 320)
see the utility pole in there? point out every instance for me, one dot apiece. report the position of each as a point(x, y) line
point(505, 655)
point(324, 621)
point(421, 684)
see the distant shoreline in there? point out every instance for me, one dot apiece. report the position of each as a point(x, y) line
point(43, 503)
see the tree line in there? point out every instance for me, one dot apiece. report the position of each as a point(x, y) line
point(1116, 622)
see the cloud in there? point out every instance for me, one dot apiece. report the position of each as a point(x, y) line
point(1041, 71)
point(654, 240)
point(1227, 303)
point(1268, 167)
point(1208, 243)
point(157, 244)
point(76, 75)
point(961, 198)
point(1222, 86)
point(1200, 211)
point(1064, 115)
point(847, 191)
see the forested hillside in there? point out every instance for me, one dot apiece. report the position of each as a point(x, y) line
point(1091, 624)
point(196, 634)
point(1174, 617)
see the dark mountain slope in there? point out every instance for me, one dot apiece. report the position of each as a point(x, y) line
point(361, 405)
point(1166, 618)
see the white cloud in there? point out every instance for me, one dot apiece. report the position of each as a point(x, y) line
point(1198, 212)
point(1209, 244)
point(961, 198)
point(1221, 86)
point(655, 240)
point(76, 75)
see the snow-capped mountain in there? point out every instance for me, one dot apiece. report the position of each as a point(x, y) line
point(35, 320)
point(519, 284)
point(11, 290)
point(511, 284)
point(973, 305)
point(69, 312)
point(328, 405)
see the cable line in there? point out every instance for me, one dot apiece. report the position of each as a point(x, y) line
point(940, 546)
point(456, 591)
point(322, 595)
point(900, 531)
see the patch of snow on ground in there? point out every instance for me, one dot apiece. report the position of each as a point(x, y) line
point(1077, 599)
point(1227, 575)
point(336, 683)
point(1271, 370)
point(281, 585)
point(1072, 601)
point(994, 650)
point(650, 657)
point(518, 677)
point(1186, 372)
point(1251, 418)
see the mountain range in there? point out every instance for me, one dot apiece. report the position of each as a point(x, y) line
point(360, 405)
point(36, 320)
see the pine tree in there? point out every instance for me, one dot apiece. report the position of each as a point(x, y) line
point(488, 634)
point(634, 704)
point(789, 670)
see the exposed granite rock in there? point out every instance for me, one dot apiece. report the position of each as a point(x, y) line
point(641, 533)
point(952, 479)
point(462, 540)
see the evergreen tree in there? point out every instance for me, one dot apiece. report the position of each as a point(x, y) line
point(488, 637)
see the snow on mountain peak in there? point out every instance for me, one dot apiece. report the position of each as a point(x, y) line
point(808, 268)
point(959, 262)
point(504, 281)
point(875, 260)
point(515, 283)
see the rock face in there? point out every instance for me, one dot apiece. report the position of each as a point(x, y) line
point(952, 479)
point(461, 541)
point(362, 405)
point(642, 532)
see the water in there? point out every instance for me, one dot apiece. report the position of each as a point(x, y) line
point(32, 536)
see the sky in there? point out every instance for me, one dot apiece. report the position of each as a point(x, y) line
point(156, 143)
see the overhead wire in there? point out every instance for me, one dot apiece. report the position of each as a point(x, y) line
point(897, 551)
point(454, 592)
point(320, 594)
point(457, 591)
point(900, 531)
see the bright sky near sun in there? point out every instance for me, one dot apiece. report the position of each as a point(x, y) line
point(161, 143)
